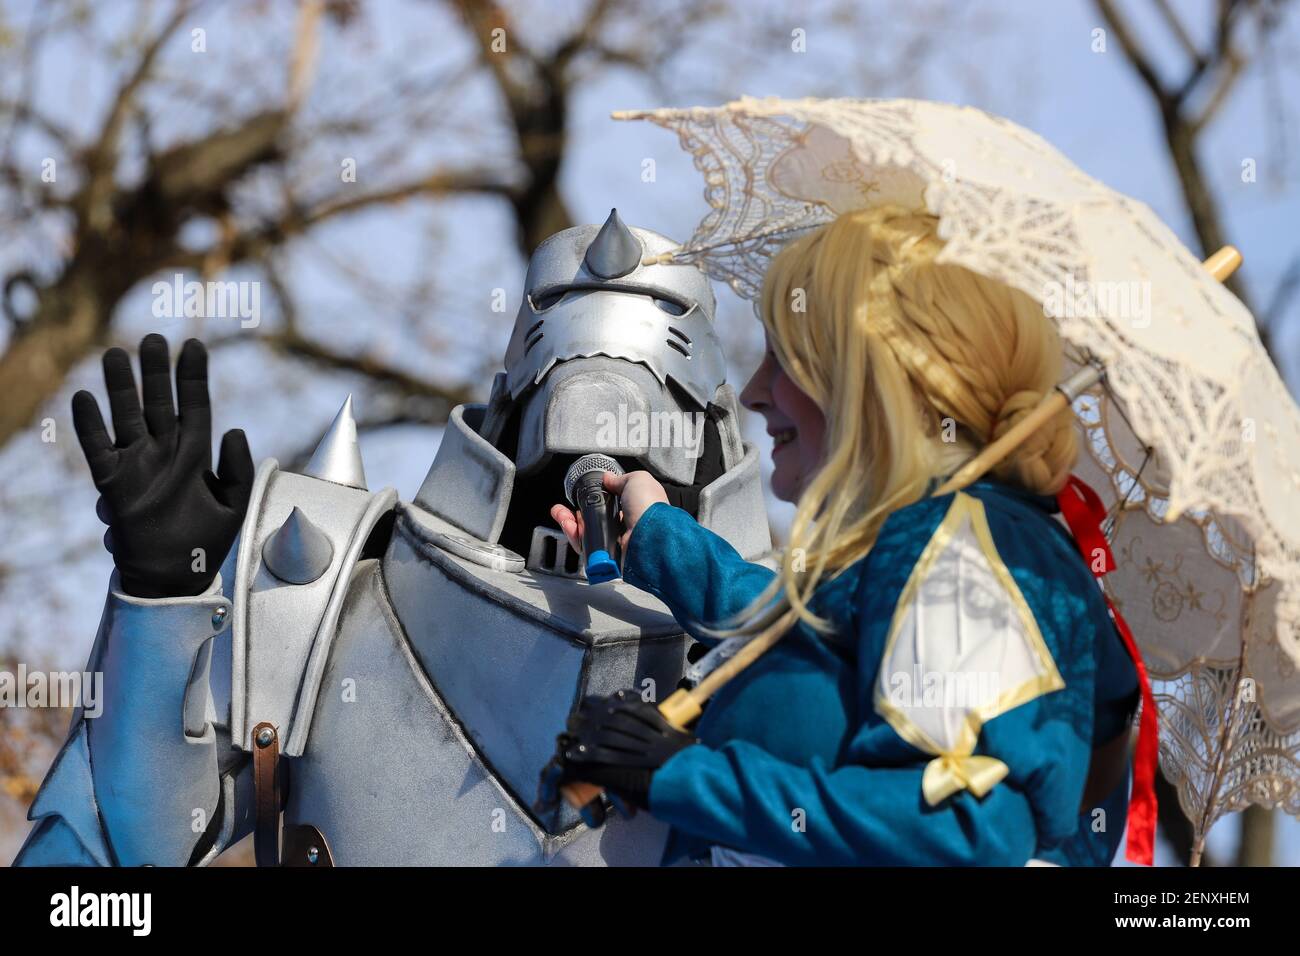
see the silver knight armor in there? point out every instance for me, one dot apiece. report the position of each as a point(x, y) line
point(408, 664)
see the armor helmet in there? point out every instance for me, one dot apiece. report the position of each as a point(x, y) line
point(610, 351)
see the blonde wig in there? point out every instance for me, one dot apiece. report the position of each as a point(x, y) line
point(915, 366)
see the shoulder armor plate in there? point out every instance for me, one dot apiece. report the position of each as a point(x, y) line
point(282, 631)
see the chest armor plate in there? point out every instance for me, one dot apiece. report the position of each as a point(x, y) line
point(447, 683)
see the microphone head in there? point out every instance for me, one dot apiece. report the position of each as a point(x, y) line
point(585, 465)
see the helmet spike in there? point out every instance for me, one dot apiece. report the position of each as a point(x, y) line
point(338, 457)
point(615, 251)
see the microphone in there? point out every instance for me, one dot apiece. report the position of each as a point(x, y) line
point(583, 486)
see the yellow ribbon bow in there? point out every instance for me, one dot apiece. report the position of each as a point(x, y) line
point(948, 773)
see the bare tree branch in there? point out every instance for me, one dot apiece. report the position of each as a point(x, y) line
point(1133, 51)
point(1227, 80)
point(101, 158)
point(290, 342)
point(1177, 29)
point(302, 64)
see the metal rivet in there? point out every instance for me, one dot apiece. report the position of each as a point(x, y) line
point(265, 736)
point(219, 617)
point(313, 854)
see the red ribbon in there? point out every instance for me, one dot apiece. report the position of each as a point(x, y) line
point(1084, 513)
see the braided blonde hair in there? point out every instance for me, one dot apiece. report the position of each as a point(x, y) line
point(916, 365)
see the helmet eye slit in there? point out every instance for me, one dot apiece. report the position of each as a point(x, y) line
point(530, 339)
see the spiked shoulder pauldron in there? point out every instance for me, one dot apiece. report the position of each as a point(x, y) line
point(301, 540)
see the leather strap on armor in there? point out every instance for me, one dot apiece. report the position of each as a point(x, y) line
point(266, 795)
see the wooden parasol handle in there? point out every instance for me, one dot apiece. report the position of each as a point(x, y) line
point(1223, 263)
point(684, 706)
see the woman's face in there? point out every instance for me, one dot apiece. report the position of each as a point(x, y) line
point(794, 421)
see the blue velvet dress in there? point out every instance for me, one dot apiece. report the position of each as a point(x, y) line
point(829, 751)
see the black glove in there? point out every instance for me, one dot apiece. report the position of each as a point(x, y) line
point(158, 494)
point(616, 742)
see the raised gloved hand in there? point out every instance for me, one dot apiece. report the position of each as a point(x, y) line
point(616, 742)
point(171, 520)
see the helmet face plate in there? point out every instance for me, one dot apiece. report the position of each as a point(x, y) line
point(613, 407)
point(655, 319)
